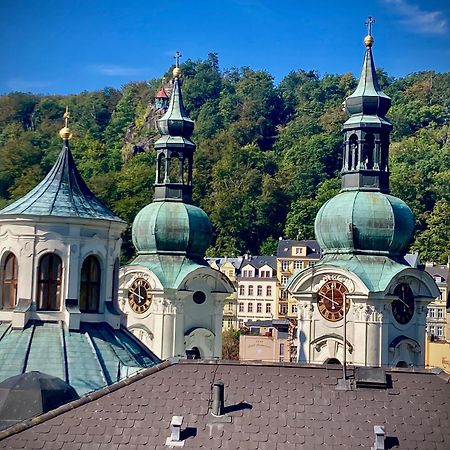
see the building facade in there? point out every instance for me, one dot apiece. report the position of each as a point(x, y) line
point(292, 256)
point(437, 325)
point(256, 289)
point(362, 303)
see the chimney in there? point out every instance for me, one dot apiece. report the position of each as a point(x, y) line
point(174, 440)
point(218, 399)
point(379, 437)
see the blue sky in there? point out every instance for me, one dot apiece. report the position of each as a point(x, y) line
point(61, 47)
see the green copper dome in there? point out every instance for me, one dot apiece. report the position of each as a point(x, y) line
point(172, 228)
point(364, 222)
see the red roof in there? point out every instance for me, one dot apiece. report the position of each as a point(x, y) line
point(162, 94)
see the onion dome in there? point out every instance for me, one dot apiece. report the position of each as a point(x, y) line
point(172, 228)
point(63, 191)
point(368, 98)
point(364, 222)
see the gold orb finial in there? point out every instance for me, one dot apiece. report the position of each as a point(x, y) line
point(176, 72)
point(65, 132)
point(368, 41)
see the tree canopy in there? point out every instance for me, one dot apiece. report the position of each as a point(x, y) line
point(268, 155)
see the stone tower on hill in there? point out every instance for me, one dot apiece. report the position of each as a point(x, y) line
point(171, 299)
point(363, 279)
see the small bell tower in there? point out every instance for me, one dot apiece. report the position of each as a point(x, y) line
point(366, 132)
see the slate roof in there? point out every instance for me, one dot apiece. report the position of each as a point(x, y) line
point(88, 359)
point(267, 406)
point(61, 193)
point(259, 261)
point(284, 248)
point(440, 270)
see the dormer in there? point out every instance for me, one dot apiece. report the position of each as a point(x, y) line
point(299, 250)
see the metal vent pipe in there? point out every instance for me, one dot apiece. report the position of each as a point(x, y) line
point(218, 396)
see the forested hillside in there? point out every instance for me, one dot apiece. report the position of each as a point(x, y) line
point(267, 157)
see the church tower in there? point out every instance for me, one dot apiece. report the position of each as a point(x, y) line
point(171, 299)
point(363, 280)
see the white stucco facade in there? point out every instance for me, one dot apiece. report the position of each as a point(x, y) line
point(373, 336)
point(174, 322)
point(29, 238)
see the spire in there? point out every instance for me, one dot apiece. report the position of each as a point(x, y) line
point(368, 98)
point(65, 132)
point(366, 132)
point(174, 148)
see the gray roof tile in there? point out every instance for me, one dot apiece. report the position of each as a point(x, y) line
point(275, 407)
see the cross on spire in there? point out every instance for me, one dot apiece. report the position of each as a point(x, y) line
point(177, 59)
point(369, 22)
point(66, 117)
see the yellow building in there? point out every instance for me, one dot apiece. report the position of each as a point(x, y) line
point(437, 354)
point(437, 323)
point(229, 267)
point(292, 256)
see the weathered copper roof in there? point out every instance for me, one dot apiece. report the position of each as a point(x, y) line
point(87, 359)
point(62, 193)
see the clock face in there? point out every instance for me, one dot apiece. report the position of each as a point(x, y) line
point(139, 296)
point(403, 306)
point(331, 298)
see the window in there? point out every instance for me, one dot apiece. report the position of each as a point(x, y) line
point(268, 308)
point(284, 280)
point(90, 285)
point(284, 294)
point(283, 309)
point(241, 289)
point(245, 273)
point(259, 291)
point(230, 305)
point(250, 307)
point(49, 282)
point(432, 313)
point(264, 273)
point(440, 313)
point(241, 307)
point(440, 331)
point(115, 284)
point(250, 290)
point(9, 282)
point(230, 322)
point(281, 352)
point(294, 309)
point(312, 264)
point(284, 265)
point(241, 323)
point(297, 264)
point(259, 307)
point(432, 330)
point(268, 291)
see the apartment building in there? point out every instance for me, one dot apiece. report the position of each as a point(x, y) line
point(230, 267)
point(292, 256)
point(256, 289)
point(437, 318)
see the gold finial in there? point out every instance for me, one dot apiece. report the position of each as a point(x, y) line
point(65, 131)
point(177, 71)
point(368, 40)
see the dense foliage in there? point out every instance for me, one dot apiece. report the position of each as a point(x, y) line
point(267, 156)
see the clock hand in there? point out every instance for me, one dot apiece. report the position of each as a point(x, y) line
point(329, 299)
point(332, 298)
point(406, 304)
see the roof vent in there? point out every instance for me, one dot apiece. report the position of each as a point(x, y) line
point(379, 438)
point(218, 399)
point(370, 377)
point(174, 440)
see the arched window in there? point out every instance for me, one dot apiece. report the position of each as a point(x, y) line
point(259, 307)
point(49, 282)
point(161, 174)
point(241, 290)
point(268, 308)
point(90, 285)
point(259, 291)
point(9, 282)
point(268, 291)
